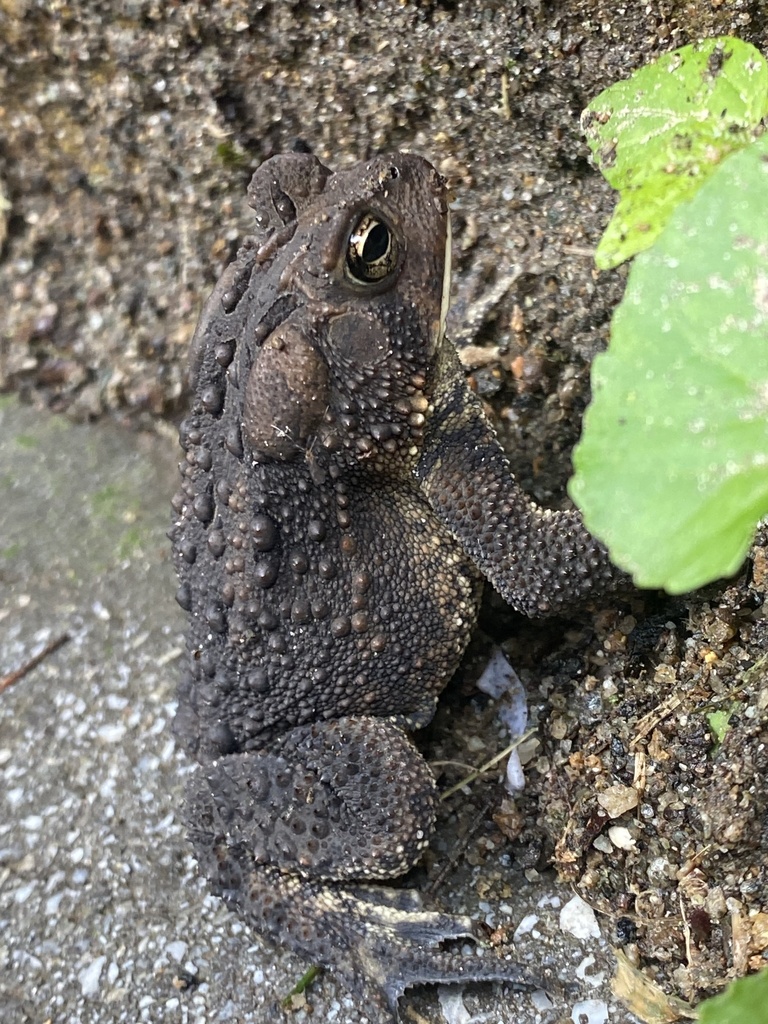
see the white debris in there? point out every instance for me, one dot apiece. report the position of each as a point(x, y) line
point(498, 675)
point(15, 796)
point(621, 837)
point(603, 844)
point(515, 775)
point(525, 927)
point(90, 976)
point(578, 919)
point(499, 680)
point(541, 1001)
point(52, 904)
point(176, 950)
point(116, 702)
point(590, 1011)
point(452, 1005)
point(595, 978)
point(24, 959)
point(660, 868)
point(454, 1011)
point(22, 894)
point(549, 900)
point(100, 611)
point(111, 733)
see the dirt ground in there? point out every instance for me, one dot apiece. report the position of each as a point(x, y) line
point(128, 133)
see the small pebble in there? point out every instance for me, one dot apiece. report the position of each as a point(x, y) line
point(452, 1005)
point(525, 927)
point(541, 1001)
point(621, 837)
point(111, 733)
point(578, 919)
point(618, 799)
point(176, 950)
point(90, 976)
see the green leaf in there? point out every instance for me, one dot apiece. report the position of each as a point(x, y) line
point(718, 725)
point(659, 135)
point(743, 1002)
point(672, 468)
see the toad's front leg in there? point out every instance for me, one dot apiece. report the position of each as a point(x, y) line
point(539, 560)
point(298, 838)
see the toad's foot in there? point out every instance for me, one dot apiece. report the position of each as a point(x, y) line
point(375, 939)
point(298, 838)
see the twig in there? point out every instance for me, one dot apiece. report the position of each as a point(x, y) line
point(19, 673)
point(477, 772)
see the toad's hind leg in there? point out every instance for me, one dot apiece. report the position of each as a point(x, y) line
point(296, 839)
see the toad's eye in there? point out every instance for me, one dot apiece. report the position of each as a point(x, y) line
point(371, 250)
point(283, 205)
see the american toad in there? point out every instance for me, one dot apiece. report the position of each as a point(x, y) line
point(342, 498)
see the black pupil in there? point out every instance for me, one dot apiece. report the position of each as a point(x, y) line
point(376, 244)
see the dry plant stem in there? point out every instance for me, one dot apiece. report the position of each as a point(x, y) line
point(302, 984)
point(477, 772)
point(13, 677)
